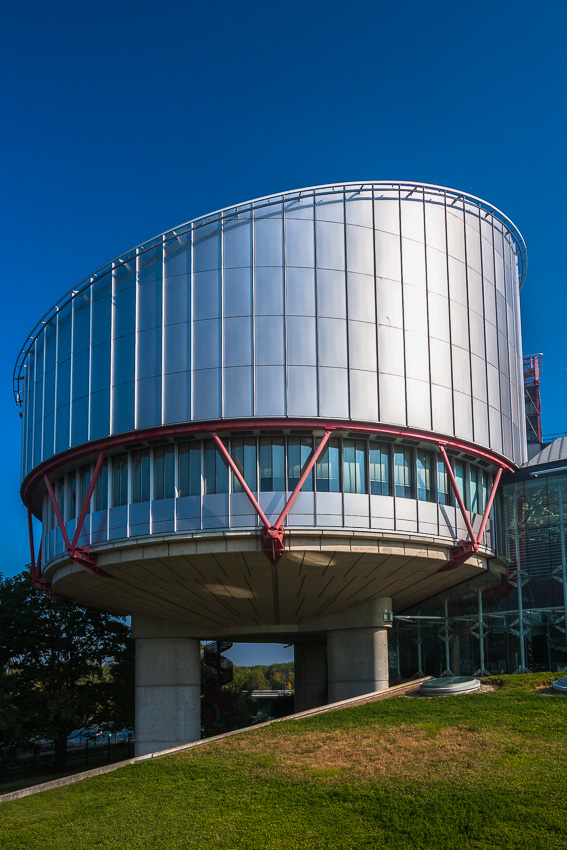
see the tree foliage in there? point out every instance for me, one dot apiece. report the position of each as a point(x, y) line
point(266, 677)
point(62, 667)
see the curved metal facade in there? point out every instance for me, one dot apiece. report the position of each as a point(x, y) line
point(381, 303)
point(386, 305)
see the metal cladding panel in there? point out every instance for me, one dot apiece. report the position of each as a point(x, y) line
point(379, 302)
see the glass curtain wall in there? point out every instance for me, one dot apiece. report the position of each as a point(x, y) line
point(514, 623)
point(273, 464)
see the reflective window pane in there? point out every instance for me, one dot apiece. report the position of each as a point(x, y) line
point(460, 475)
point(164, 472)
point(298, 452)
point(272, 464)
point(119, 481)
point(354, 466)
point(85, 477)
point(141, 476)
point(474, 473)
point(216, 473)
point(189, 472)
point(71, 497)
point(101, 489)
point(403, 472)
point(327, 469)
point(380, 469)
point(424, 476)
point(244, 455)
point(443, 493)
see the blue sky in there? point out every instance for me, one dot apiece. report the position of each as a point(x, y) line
point(123, 119)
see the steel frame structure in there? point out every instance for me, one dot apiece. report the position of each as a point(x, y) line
point(273, 544)
point(533, 367)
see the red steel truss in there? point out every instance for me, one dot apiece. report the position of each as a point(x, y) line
point(465, 548)
point(533, 367)
point(79, 554)
point(272, 534)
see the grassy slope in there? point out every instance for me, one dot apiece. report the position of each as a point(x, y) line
point(477, 771)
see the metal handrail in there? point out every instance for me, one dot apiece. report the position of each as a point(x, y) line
point(234, 211)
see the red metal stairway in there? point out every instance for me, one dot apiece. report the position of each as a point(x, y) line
point(215, 719)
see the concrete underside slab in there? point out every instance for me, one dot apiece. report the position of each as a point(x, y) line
point(225, 585)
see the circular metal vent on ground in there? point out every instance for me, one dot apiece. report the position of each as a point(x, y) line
point(449, 686)
point(561, 685)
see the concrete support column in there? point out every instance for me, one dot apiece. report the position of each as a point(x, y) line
point(310, 671)
point(357, 662)
point(168, 685)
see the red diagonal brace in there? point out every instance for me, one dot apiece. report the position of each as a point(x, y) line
point(79, 554)
point(308, 467)
point(458, 496)
point(465, 548)
point(272, 535)
point(88, 497)
point(38, 582)
point(58, 514)
point(488, 506)
point(252, 499)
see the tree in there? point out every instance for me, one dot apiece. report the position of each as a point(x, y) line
point(62, 667)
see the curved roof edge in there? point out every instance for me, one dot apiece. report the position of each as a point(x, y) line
point(245, 206)
point(554, 452)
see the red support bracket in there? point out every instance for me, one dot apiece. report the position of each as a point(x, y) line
point(272, 535)
point(79, 554)
point(38, 582)
point(465, 548)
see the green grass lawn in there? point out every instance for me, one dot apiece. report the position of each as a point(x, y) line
point(484, 770)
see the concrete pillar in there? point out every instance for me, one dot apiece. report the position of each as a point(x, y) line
point(357, 662)
point(168, 685)
point(310, 671)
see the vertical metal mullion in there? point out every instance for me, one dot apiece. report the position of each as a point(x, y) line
point(136, 335)
point(112, 347)
point(176, 482)
point(129, 490)
point(71, 370)
point(152, 487)
point(163, 244)
point(563, 561)
point(221, 318)
point(403, 294)
point(427, 312)
point(373, 202)
point(519, 587)
point(450, 311)
point(484, 319)
point(55, 385)
point(316, 285)
point(202, 452)
point(191, 322)
point(347, 323)
point(498, 345)
point(32, 462)
point(24, 395)
point(90, 375)
point(284, 216)
point(468, 306)
point(316, 330)
point(221, 368)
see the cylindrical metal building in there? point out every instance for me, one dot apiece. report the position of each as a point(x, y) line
point(331, 375)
